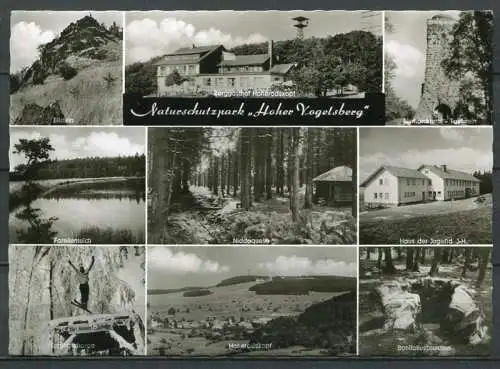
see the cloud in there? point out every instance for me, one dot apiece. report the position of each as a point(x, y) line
point(146, 38)
point(24, 41)
point(100, 144)
point(296, 266)
point(163, 259)
point(464, 159)
point(451, 134)
point(409, 60)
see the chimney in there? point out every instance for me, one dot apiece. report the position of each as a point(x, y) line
point(270, 46)
point(443, 168)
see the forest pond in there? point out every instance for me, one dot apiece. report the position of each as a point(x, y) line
point(104, 210)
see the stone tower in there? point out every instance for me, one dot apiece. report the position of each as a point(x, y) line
point(438, 93)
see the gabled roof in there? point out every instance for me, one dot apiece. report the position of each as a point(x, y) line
point(281, 68)
point(450, 173)
point(195, 50)
point(338, 174)
point(189, 55)
point(395, 171)
point(243, 60)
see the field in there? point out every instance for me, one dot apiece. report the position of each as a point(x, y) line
point(86, 99)
point(194, 327)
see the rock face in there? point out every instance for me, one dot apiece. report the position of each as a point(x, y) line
point(400, 307)
point(440, 95)
point(42, 285)
point(464, 319)
point(330, 325)
point(448, 302)
point(33, 114)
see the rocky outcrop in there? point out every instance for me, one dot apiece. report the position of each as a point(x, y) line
point(329, 325)
point(33, 114)
point(79, 45)
point(401, 308)
point(42, 285)
point(407, 304)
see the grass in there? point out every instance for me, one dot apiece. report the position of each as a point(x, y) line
point(110, 236)
point(86, 98)
point(467, 227)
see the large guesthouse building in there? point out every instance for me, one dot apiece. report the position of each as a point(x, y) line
point(212, 70)
point(393, 186)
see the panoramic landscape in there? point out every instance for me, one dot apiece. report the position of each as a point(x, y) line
point(77, 300)
point(425, 301)
point(255, 53)
point(66, 68)
point(426, 186)
point(439, 67)
point(252, 185)
point(78, 185)
point(251, 301)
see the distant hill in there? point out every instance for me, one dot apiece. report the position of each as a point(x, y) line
point(239, 279)
point(173, 290)
point(304, 285)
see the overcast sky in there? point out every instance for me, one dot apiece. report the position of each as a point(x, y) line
point(407, 45)
point(29, 29)
point(465, 149)
point(155, 33)
point(176, 267)
point(80, 142)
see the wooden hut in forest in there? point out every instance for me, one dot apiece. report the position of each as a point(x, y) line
point(334, 187)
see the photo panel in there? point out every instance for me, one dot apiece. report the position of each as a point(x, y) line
point(253, 53)
point(426, 186)
point(267, 186)
point(66, 68)
point(439, 67)
point(77, 185)
point(252, 301)
point(74, 300)
point(425, 301)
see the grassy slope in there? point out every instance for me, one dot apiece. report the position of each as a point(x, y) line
point(473, 225)
point(92, 104)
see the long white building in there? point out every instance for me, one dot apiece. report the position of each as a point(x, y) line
point(392, 186)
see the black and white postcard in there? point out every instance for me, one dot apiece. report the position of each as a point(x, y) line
point(81, 185)
point(253, 53)
point(439, 67)
point(425, 301)
point(426, 185)
point(66, 68)
point(252, 301)
point(265, 186)
point(77, 300)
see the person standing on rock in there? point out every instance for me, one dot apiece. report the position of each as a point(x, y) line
point(83, 278)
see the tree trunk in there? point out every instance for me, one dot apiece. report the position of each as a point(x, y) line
point(435, 261)
point(269, 165)
point(185, 176)
point(466, 262)
point(409, 258)
point(309, 164)
point(389, 265)
point(484, 257)
point(280, 157)
point(368, 252)
point(294, 194)
point(355, 177)
point(379, 260)
point(415, 267)
point(422, 255)
point(51, 287)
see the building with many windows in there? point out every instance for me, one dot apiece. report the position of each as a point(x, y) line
point(212, 70)
point(392, 186)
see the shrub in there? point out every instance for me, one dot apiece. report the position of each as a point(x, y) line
point(67, 71)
